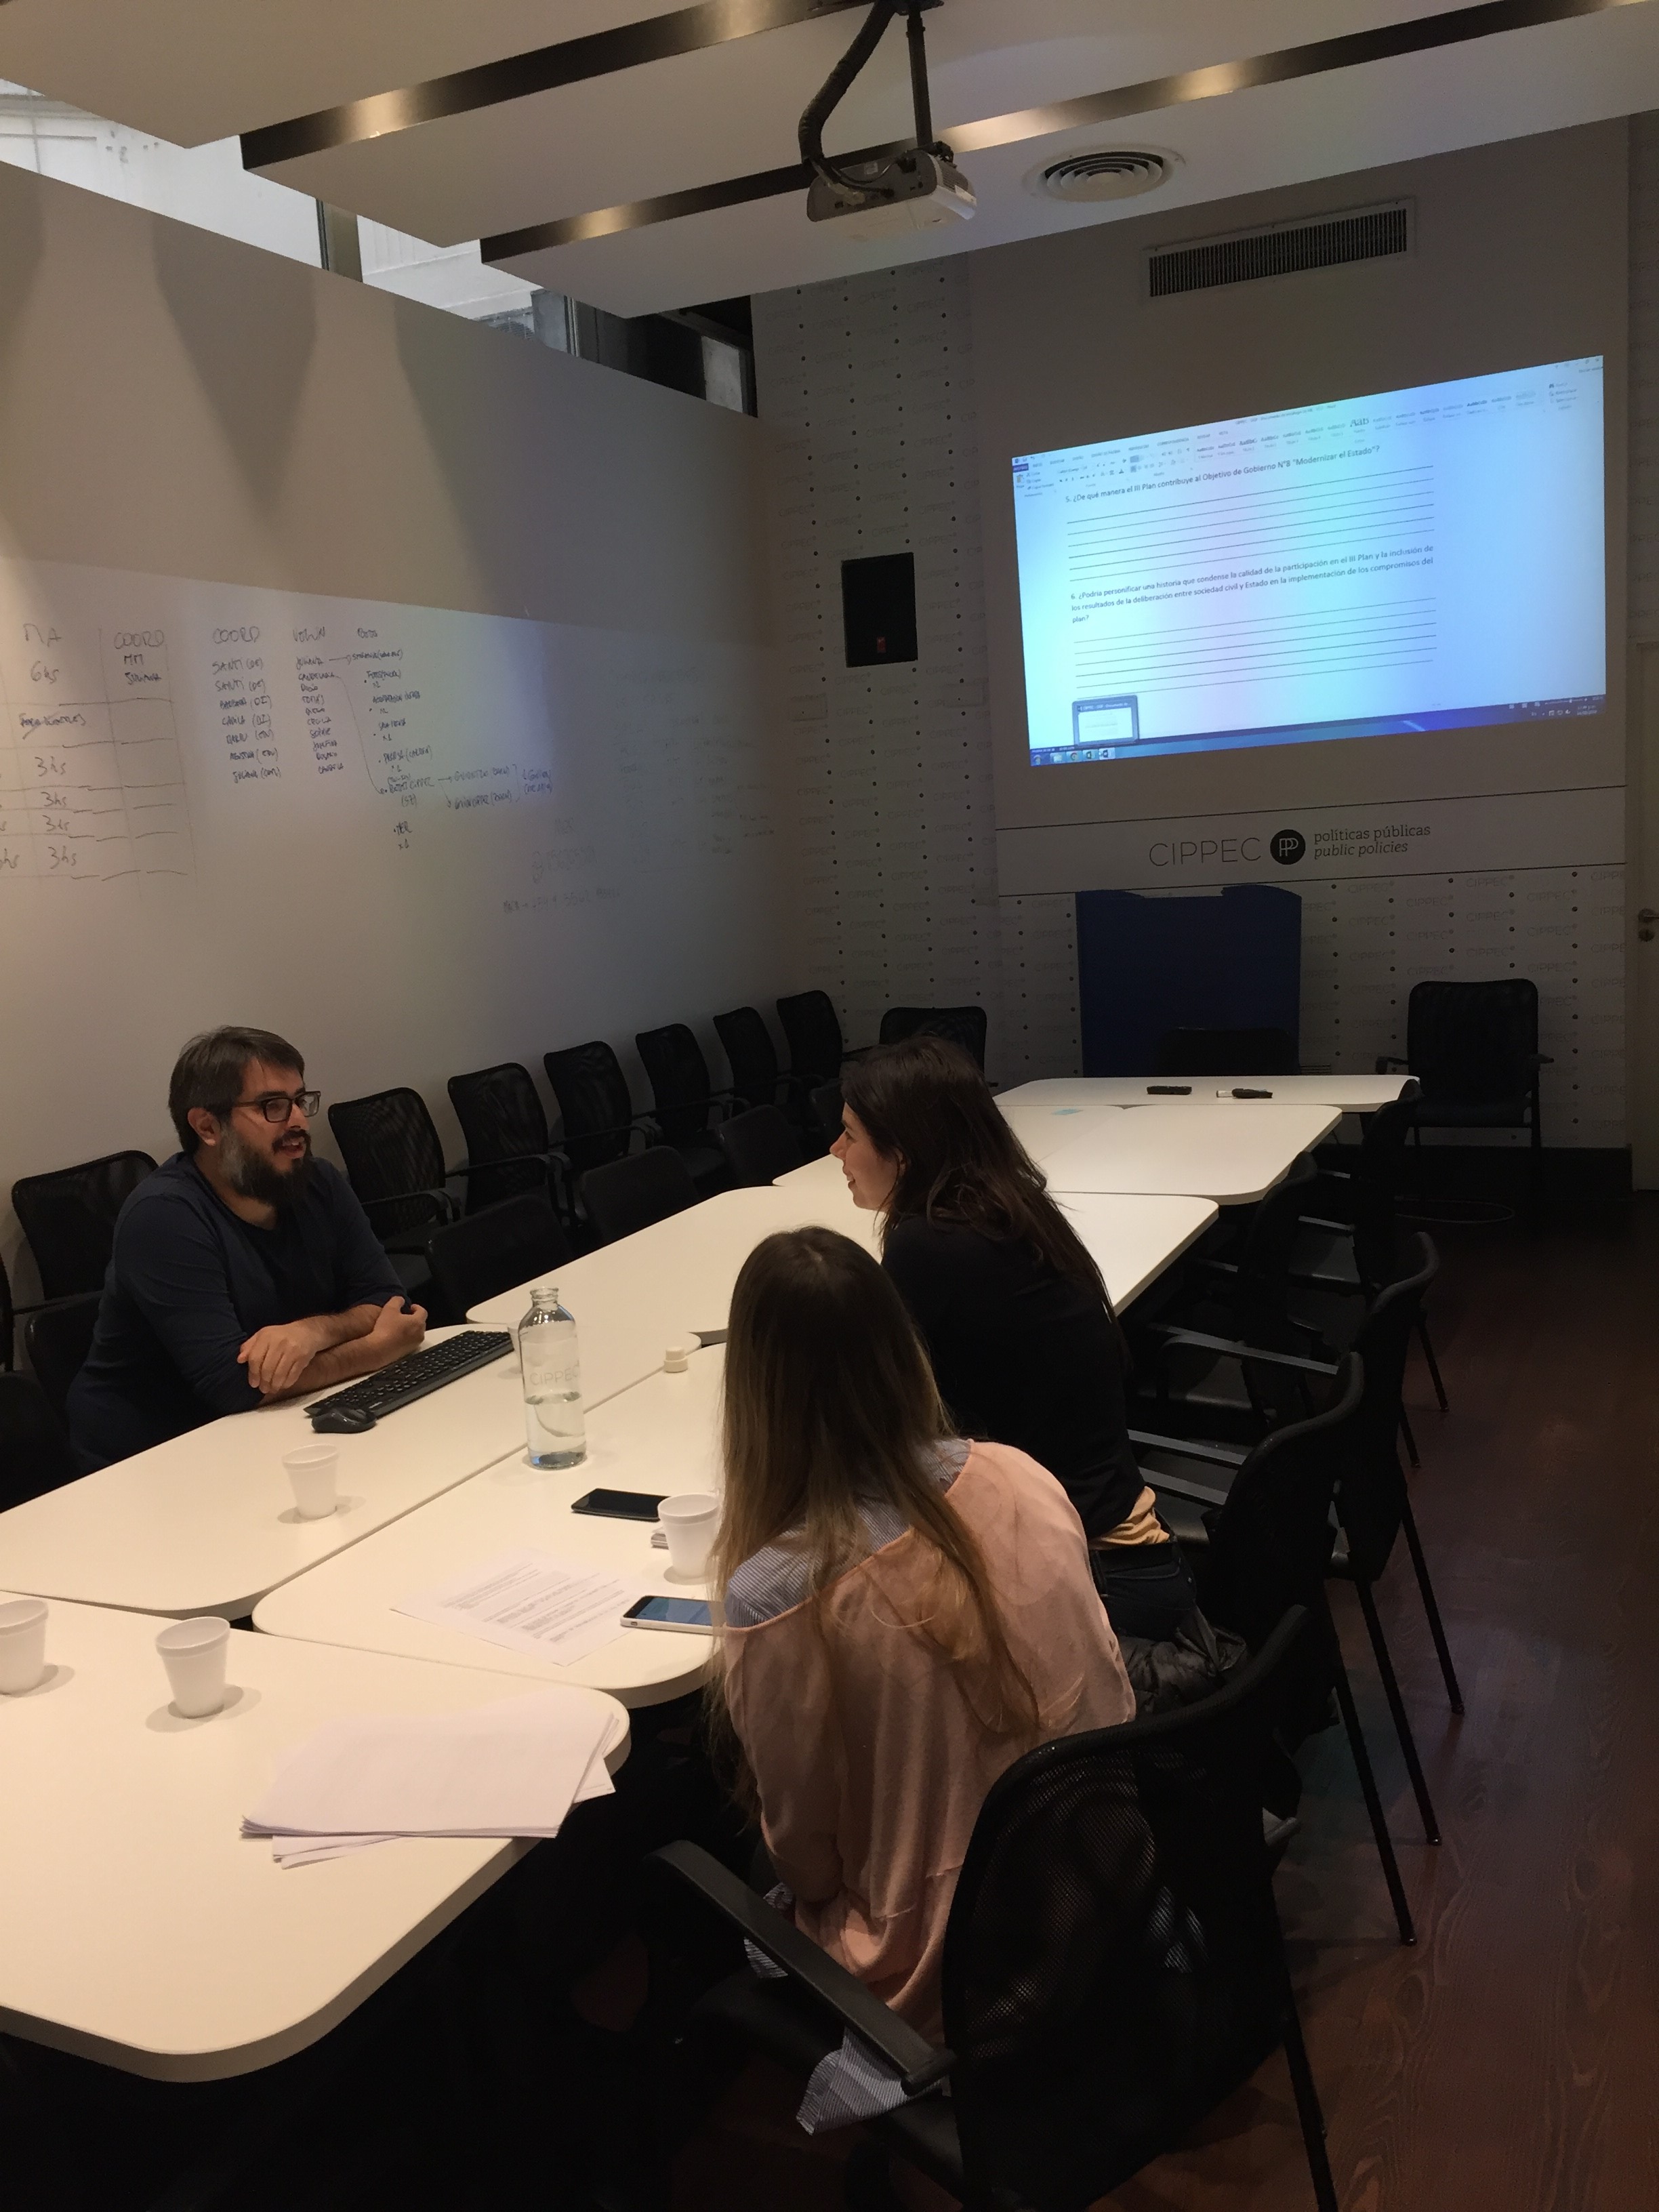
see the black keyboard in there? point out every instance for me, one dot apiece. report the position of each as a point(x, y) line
point(416, 1375)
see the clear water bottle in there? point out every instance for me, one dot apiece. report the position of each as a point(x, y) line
point(551, 1366)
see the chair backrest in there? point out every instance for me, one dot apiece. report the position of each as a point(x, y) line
point(58, 1339)
point(1376, 1184)
point(391, 1149)
point(1270, 1543)
point(963, 1025)
point(1472, 1043)
point(595, 1106)
point(486, 1253)
point(678, 1075)
point(629, 1194)
point(750, 1053)
point(761, 1144)
point(826, 1105)
point(812, 1032)
point(35, 1450)
point(1224, 1052)
point(1371, 1492)
point(502, 1120)
point(69, 1218)
point(1261, 1288)
point(1113, 1964)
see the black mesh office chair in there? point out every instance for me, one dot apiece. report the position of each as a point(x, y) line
point(69, 1218)
point(1350, 1245)
point(1474, 1050)
point(1259, 1530)
point(826, 1105)
point(597, 1119)
point(1372, 1492)
point(761, 1144)
point(811, 1030)
point(1224, 1052)
point(683, 1101)
point(395, 1162)
point(963, 1025)
point(1112, 1964)
point(757, 1078)
point(627, 1194)
point(1192, 1348)
point(58, 1339)
point(34, 1452)
point(489, 1252)
point(508, 1147)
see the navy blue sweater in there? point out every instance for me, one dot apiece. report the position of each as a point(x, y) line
point(189, 1282)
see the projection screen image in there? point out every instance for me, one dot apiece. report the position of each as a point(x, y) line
point(1420, 560)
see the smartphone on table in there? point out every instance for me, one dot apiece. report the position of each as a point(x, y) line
point(692, 1613)
point(621, 1504)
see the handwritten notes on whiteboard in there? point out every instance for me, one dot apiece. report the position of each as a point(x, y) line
point(92, 785)
point(150, 721)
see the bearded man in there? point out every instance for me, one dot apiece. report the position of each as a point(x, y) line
point(244, 1269)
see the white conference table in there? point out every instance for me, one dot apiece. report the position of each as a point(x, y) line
point(1233, 1153)
point(659, 1436)
point(632, 1299)
point(1353, 1094)
point(138, 1928)
point(206, 1522)
point(1130, 1238)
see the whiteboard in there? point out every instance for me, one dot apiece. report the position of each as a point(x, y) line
point(413, 840)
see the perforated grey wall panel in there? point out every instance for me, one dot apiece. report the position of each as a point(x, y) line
point(866, 384)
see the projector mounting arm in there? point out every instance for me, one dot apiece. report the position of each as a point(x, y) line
point(835, 86)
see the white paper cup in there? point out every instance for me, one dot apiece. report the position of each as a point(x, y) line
point(194, 1653)
point(22, 1645)
point(314, 1471)
point(689, 1522)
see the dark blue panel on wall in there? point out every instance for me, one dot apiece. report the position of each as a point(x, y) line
point(1147, 965)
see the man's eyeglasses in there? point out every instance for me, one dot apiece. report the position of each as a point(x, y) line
point(278, 1105)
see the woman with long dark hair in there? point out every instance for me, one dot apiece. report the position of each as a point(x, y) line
point(1011, 1307)
point(905, 1613)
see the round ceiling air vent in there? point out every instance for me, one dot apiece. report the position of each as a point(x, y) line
point(1116, 174)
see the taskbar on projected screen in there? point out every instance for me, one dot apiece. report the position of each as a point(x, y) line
point(1307, 733)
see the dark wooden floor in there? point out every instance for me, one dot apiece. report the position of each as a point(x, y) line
point(1510, 2062)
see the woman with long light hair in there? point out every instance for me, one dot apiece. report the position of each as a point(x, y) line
point(1011, 1307)
point(905, 1613)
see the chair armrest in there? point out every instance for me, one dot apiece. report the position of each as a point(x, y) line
point(1386, 1063)
point(1537, 1060)
point(508, 1160)
point(922, 2063)
point(1201, 1493)
point(1188, 1448)
point(444, 1209)
point(1200, 1342)
point(1313, 1221)
point(643, 1122)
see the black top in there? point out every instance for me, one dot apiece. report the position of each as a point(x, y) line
point(189, 1282)
point(1022, 1355)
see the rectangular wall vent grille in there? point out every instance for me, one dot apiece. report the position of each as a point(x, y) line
point(1367, 234)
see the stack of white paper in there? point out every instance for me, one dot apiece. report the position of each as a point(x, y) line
point(512, 1768)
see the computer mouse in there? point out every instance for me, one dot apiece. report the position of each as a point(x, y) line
point(342, 1420)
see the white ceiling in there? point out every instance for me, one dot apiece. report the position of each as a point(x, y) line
point(191, 70)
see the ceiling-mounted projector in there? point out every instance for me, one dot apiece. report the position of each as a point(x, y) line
point(891, 193)
point(885, 200)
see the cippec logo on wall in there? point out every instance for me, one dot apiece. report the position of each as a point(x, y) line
point(1287, 847)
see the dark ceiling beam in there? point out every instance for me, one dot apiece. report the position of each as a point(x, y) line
point(1317, 58)
point(602, 54)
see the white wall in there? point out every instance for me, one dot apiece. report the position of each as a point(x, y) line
point(178, 405)
point(1518, 244)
